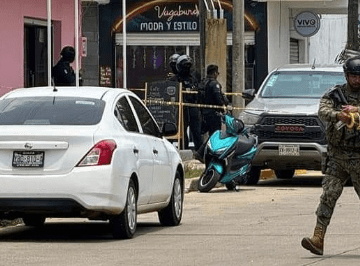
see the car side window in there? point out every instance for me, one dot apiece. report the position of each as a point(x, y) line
point(148, 124)
point(125, 115)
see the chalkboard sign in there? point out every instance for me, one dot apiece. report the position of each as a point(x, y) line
point(167, 92)
point(105, 76)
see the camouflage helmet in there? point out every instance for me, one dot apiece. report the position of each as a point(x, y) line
point(352, 66)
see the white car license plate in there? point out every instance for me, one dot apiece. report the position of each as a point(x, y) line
point(28, 159)
point(289, 150)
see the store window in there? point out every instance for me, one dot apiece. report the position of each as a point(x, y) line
point(150, 63)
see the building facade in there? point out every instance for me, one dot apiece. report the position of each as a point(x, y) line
point(23, 45)
point(286, 45)
point(155, 30)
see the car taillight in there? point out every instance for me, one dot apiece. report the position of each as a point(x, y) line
point(100, 154)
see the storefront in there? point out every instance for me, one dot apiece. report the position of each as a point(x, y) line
point(156, 29)
point(23, 42)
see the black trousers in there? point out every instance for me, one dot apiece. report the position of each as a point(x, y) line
point(211, 122)
point(192, 119)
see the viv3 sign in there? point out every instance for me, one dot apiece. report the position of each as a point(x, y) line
point(307, 23)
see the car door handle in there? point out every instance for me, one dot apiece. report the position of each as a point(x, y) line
point(135, 151)
point(155, 151)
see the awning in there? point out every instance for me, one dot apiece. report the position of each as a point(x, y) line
point(173, 39)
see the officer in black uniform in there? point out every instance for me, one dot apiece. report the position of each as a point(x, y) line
point(213, 96)
point(62, 72)
point(172, 63)
point(192, 116)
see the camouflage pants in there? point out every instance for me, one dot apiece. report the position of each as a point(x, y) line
point(337, 173)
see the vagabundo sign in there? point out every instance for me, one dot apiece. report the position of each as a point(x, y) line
point(307, 23)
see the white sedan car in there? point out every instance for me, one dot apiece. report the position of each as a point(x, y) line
point(86, 152)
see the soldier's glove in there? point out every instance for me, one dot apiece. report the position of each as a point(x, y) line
point(350, 109)
point(344, 117)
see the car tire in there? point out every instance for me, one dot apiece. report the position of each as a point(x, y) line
point(285, 174)
point(34, 220)
point(171, 215)
point(208, 180)
point(253, 176)
point(124, 224)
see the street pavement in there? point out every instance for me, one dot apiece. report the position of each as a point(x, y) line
point(256, 225)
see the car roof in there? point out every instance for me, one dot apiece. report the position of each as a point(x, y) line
point(82, 92)
point(308, 67)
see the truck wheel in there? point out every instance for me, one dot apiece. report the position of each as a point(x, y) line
point(252, 178)
point(34, 220)
point(285, 174)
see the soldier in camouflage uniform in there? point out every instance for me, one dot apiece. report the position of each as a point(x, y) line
point(337, 107)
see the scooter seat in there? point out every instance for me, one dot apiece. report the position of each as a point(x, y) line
point(244, 144)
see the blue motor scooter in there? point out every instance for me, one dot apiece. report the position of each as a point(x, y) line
point(228, 155)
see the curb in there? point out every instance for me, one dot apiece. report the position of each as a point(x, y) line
point(191, 185)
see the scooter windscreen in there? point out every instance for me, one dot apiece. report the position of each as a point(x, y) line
point(233, 126)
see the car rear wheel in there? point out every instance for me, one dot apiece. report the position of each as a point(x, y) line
point(34, 220)
point(285, 174)
point(171, 215)
point(124, 224)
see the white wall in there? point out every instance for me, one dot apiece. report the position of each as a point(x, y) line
point(278, 35)
point(280, 29)
point(330, 39)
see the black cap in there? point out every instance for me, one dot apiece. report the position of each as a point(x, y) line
point(68, 53)
point(211, 69)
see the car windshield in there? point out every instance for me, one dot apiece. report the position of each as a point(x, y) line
point(291, 84)
point(50, 111)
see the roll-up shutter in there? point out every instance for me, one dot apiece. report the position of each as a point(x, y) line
point(294, 51)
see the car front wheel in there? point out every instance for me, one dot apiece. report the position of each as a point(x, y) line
point(124, 224)
point(171, 215)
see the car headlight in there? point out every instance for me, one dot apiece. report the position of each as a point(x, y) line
point(249, 118)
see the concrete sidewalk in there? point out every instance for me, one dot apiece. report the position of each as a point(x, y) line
point(191, 183)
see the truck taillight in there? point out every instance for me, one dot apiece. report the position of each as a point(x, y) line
point(100, 154)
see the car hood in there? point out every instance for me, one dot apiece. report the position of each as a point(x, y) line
point(307, 106)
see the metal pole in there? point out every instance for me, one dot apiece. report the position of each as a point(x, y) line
point(214, 9)
point(77, 41)
point(353, 23)
point(49, 41)
point(238, 66)
point(221, 10)
point(124, 44)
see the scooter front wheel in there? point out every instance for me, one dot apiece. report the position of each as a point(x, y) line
point(208, 180)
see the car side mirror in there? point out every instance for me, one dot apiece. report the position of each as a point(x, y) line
point(248, 94)
point(169, 129)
